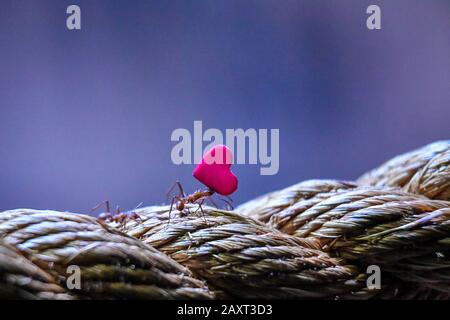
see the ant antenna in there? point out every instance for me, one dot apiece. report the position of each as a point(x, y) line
point(180, 188)
point(227, 200)
point(105, 203)
point(140, 204)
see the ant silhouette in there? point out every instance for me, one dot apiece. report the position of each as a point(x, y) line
point(120, 217)
point(198, 197)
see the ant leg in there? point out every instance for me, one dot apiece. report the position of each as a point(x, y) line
point(125, 219)
point(201, 210)
point(169, 191)
point(228, 201)
point(133, 215)
point(198, 208)
point(180, 187)
point(105, 203)
point(210, 200)
point(119, 216)
point(105, 216)
point(171, 208)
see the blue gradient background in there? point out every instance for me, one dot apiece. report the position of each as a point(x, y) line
point(87, 115)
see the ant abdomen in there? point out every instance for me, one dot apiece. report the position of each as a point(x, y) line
point(180, 206)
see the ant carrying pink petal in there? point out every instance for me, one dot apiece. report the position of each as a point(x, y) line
point(214, 172)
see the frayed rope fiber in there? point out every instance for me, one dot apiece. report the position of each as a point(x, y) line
point(314, 239)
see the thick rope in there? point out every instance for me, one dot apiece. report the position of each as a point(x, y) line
point(409, 235)
point(21, 279)
point(262, 208)
point(245, 259)
point(311, 240)
point(112, 264)
point(423, 171)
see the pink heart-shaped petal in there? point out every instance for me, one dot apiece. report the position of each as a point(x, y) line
point(214, 170)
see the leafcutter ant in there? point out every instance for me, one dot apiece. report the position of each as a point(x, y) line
point(119, 217)
point(198, 197)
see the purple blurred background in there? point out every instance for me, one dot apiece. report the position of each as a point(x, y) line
point(87, 115)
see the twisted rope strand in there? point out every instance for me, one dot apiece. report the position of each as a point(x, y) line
point(246, 259)
point(423, 171)
point(314, 239)
point(21, 279)
point(109, 260)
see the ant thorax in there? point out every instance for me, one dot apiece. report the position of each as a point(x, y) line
point(119, 217)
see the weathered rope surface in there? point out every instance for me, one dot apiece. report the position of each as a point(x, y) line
point(245, 259)
point(21, 279)
point(264, 207)
point(311, 240)
point(423, 171)
point(409, 235)
point(113, 265)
